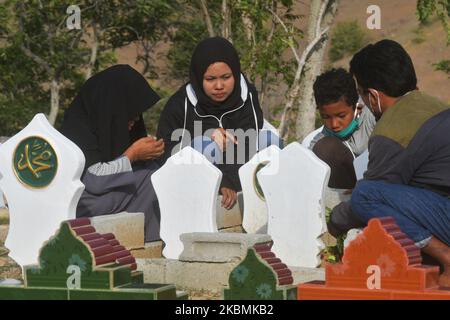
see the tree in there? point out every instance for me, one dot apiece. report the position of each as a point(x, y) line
point(428, 8)
point(61, 58)
point(309, 64)
point(441, 8)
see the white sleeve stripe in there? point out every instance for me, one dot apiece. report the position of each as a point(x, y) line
point(119, 165)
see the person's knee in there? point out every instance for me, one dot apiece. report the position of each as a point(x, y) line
point(363, 196)
point(340, 160)
point(342, 219)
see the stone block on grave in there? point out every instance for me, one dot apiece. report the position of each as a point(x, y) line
point(380, 263)
point(80, 263)
point(255, 209)
point(186, 186)
point(219, 247)
point(40, 173)
point(260, 276)
point(128, 227)
point(294, 194)
point(229, 218)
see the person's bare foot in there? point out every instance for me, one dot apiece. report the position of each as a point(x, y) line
point(441, 252)
point(444, 279)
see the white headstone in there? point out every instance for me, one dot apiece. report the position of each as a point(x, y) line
point(187, 186)
point(296, 209)
point(40, 176)
point(307, 140)
point(255, 207)
point(360, 164)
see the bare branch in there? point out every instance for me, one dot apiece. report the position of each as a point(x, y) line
point(323, 8)
point(294, 91)
point(208, 21)
point(290, 38)
point(41, 62)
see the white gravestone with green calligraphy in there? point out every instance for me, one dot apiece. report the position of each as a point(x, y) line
point(40, 173)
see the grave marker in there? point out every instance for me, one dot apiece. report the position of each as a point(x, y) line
point(40, 173)
point(296, 209)
point(187, 186)
point(255, 208)
point(260, 276)
point(79, 263)
point(380, 263)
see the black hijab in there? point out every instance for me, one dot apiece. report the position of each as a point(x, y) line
point(207, 52)
point(97, 119)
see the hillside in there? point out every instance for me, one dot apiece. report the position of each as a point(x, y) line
point(399, 22)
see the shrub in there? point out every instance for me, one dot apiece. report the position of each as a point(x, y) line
point(347, 38)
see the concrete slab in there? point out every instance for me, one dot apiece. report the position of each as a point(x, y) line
point(203, 276)
point(236, 229)
point(229, 218)
point(190, 275)
point(151, 250)
point(219, 247)
point(128, 227)
point(302, 275)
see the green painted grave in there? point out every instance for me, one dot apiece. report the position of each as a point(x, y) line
point(69, 269)
point(256, 278)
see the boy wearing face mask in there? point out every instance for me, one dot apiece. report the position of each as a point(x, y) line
point(347, 126)
point(408, 174)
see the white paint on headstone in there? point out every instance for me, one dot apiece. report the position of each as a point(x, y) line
point(36, 213)
point(296, 210)
point(360, 164)
point(255, 207)
point(187, 187)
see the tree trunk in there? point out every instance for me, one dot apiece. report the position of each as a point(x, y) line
point(319, 30)
point(54, 104)
point(208, 21)
point(94, 51)
point(226, 23)
point(306, 115)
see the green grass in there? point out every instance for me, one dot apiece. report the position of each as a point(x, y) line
point(333, 254)
point(4, 220)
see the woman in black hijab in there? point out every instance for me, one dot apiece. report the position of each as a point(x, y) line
point(221, 99)
point(105, 121)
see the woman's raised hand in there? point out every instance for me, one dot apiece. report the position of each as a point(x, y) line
point(147, 148)
point(221, 137)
